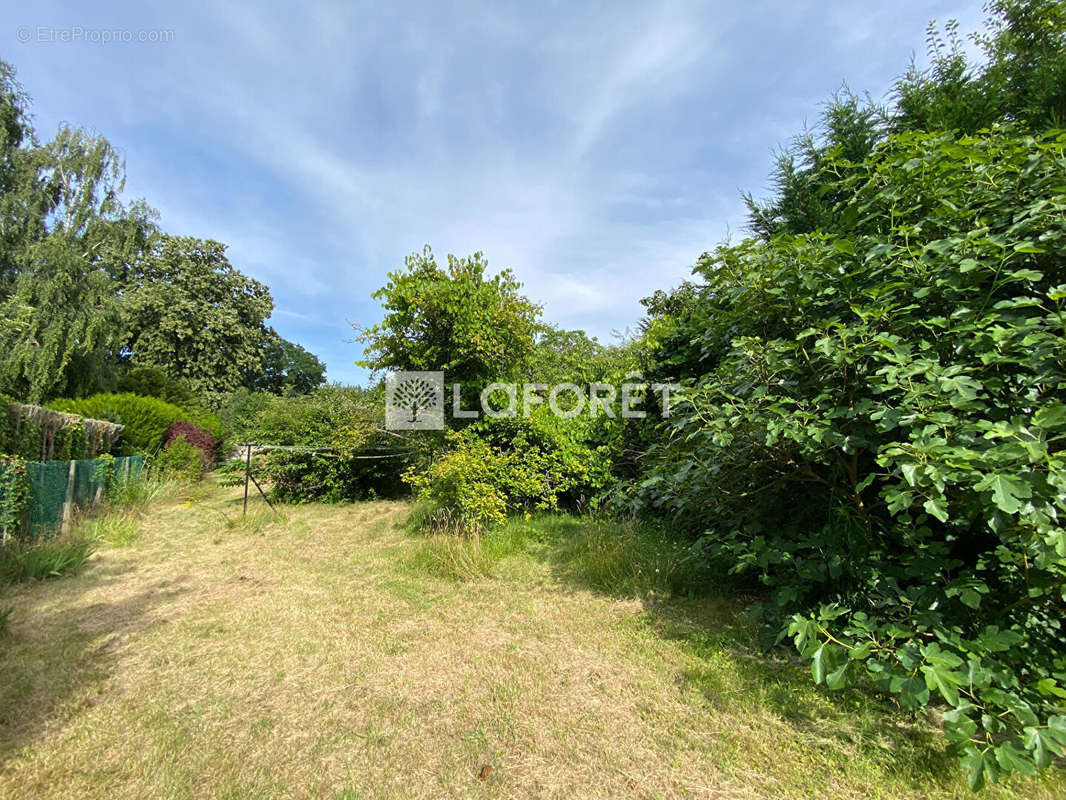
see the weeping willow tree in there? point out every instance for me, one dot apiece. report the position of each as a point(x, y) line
point(68, 239)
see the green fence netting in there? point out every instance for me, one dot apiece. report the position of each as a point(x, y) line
point(54, 484)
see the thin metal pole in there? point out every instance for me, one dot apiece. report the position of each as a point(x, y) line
point(247, 473)
point(263, 494)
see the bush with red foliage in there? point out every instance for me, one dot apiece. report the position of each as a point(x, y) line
point(197, 437)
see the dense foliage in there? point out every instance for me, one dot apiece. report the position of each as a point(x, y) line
point(146, 419)
point(38, 561)
point(180, 459)
point(14, 494)
point(155, 382)
point(339, 449)
point(475, 327)
point(498, 467)
point(191, 312)
point(287, 368)
point(197, 437)
point(880, 428)
point(39, 434)
point(874, 427)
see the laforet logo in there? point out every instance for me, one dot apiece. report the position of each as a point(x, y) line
point(414, 401)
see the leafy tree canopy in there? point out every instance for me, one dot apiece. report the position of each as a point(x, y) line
point(65, 234)
point(573, 356)
point(1022, 79)
point(475, 327)
point(190, 312)
point(154, 382)
point(287, 368)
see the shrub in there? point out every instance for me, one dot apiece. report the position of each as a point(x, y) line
point(154, 382)
point(239, 412)
point(204, 419)
point(462, 490)
point(877, 436)
point(146, 419)
point(181, 461)
point(497, 467)
point(197, 437)
point(357, 459)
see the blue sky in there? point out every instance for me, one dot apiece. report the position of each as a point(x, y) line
point(594, 148)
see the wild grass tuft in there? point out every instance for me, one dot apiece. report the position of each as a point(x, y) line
point(20, 561)
point(430, 518)
point(117, 529)
point(458, 558)
point(629, 559)
point(617, 558)
point(142, 490)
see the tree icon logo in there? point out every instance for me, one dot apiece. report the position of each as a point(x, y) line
point(414, 401)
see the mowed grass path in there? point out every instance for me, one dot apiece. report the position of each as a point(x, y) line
point(313, 655)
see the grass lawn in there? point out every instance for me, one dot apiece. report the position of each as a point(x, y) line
point(326, 653)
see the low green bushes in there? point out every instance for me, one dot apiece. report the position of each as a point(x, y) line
point(199, 438)
point(498, 467)
point(348, 455)
point(180, 460)
point(146, 419)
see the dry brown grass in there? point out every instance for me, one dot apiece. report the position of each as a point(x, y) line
point(305, 657)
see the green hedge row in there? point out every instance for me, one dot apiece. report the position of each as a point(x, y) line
point(146, 419)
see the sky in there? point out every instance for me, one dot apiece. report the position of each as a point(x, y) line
point(596, 149)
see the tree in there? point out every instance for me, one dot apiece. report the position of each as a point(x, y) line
point(16, 137)
point(191, 313)
point(573, 356)
point(1022, 80)
point(70, 234)
point(287, 368)
point(154, 382)
point(805, 193)
point(475, 328)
